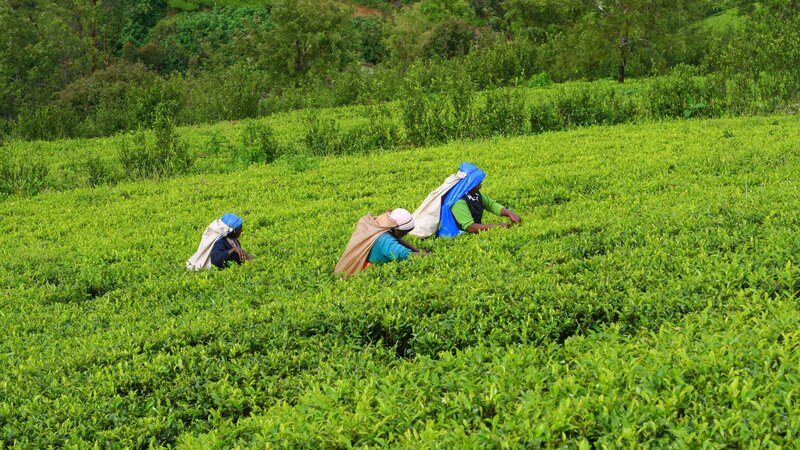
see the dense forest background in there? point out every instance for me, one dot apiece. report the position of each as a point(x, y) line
point(96, 67)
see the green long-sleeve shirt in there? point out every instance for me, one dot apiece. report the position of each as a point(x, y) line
point(463, 216)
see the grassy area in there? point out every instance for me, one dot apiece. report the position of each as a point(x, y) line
point(648, 298)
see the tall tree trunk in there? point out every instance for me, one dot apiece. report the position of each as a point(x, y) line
point(623, 54)
point(93, 32)
point(300, 59)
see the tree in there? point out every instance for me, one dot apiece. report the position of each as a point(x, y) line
point(307, 36)
point(449, 38)
point(439, 28)
point(45, 45)
point(539, 20)
point(615, 33)
point(41, 52)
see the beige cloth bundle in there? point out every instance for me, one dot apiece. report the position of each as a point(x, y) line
point(368, 229)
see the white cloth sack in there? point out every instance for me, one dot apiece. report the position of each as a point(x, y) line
point(202, 258)
point(426, 217)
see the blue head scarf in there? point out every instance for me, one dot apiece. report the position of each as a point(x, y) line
point(232, 220)
point(448, 226)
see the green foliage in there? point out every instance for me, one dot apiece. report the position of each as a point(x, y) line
point(98, 172)
point(141, 16)
point(195, 40)
point(164, 157)
point(22, 177)
point(217, 144)
point(539, 20)
point(503, 113)
point(236, 92)
point(502, 64)
point(234, 59)
point(679, 95)
point(324, 137)
point(5, 130)
point(259, 144)
point(540, 80)
point(435, 111)
point(299, 162)
point(372, 34)
point(194, 5)
point(46, 122)
point(182, 5)
point(435, 118)
point(683, 385)
point(648, 299)
point(757, 66)
point(118, 98)
point(449, 38)
point(431, 29)
point(376, 130)
point(620, 39)
point(307, 37)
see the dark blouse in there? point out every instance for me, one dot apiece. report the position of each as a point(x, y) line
point(219, 252)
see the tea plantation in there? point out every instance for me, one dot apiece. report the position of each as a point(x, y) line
point(648, 299)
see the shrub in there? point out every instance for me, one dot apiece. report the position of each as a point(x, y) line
point(236, 92)
point(46, 122)
point(323, 136)
point(22, 177)
point(450, 38)
point(540, 80)
point(542, 116)
point(435, 118)
point(677, 95)
point(575, 106)
point(503, 113)
point(5, 129)
point(259, 144)
point(217, 144)
point(117, 98)
point(379, 130)
point(300, 162)
point(613, 105)
point(167, 156)
point(764, 93)
point(98, 172)
point(372, 38)
point(501, 64)
point(161, 97)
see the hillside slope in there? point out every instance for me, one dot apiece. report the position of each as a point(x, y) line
point(648, 298)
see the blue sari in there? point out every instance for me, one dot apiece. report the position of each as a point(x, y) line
point(447, 223)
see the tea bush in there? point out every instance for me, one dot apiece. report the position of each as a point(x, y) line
point(648, 298)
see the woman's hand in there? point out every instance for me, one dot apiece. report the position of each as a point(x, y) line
point(515, 219)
